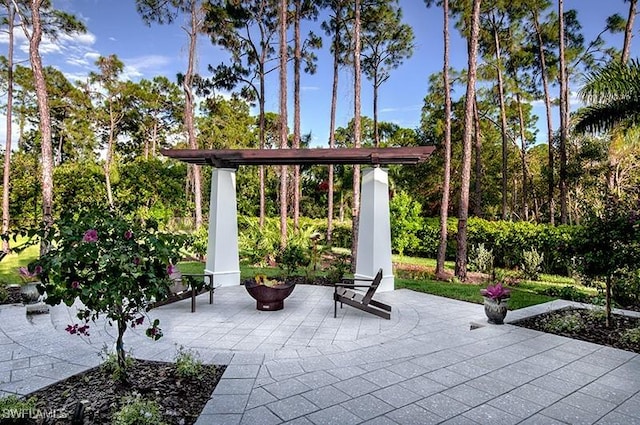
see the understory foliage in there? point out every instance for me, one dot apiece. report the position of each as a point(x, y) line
point(116, 266)
point(609, 249)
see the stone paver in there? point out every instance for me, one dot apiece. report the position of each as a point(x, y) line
point(301, 366)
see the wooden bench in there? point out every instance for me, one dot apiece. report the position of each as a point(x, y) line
point(189, 288)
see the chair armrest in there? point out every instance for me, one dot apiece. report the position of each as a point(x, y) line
point(350, 285)
point(354, 279)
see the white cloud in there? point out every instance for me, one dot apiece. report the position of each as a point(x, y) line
point(409, 108)
point(136, 68)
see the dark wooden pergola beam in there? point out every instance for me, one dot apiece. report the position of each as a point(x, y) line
point(232, 158)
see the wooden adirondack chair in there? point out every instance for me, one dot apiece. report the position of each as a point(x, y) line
point(347, 292)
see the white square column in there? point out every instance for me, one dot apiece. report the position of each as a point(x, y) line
point(374, 231)
point(222, 248)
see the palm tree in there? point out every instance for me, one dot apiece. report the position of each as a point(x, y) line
point(612, 94)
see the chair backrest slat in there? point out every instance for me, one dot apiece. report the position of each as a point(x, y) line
point(373, 288)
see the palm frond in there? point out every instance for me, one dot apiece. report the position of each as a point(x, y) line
point(616, 81)
point(607, 116)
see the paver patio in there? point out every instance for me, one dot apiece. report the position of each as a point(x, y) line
point(301, 366)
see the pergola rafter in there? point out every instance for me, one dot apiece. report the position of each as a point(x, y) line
point(232, 158)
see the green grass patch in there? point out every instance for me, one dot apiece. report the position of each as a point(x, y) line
point(520, 297)
point(10, 264)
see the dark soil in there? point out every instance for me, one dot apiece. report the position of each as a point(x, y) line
point(586, 325)
point(180, 400)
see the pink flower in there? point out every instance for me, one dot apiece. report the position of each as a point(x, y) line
point(128, 234)
point(136, 261)
point(90, 235)
point(75, 284)
point(171, 269)
point(37, 270)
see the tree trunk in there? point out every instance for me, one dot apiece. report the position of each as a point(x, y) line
point(477, 148)
point(297, 59)
point(283, 120)
point(120, 351)
point(356, 135)
point(547, 106)
point(463, 212)
point(503, 122)
point(332, 128)
point(109, 156)
point(45, 118)
point(564, 116)
point(376, 133)
point(187, 85)
point(261, 125)
point(628, 31)
point(7, 149)
point(444, 205)
point(523, 146)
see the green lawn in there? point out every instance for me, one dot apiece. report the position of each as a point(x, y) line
point(520, 297)
point(10, 264)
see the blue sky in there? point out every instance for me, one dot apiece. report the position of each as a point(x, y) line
point(114, 27)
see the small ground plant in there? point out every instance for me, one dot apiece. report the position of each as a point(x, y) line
point(568, 323)
point(14, 409)
point(136, 411)
point(188, 363)
point(631, 336)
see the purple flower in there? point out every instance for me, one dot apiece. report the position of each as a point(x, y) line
point(128, 234)
point(496, 292)
point(75, 284)
point(25, 273)
point(136, 261)
point(37, 270)
point(171, 269)
point(90, 235)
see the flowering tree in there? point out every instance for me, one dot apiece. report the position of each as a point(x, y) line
point(115, 266)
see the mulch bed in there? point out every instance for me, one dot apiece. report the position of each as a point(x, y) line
point(593, 327)
point(181, 400)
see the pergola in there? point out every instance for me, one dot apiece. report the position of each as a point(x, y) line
point(374, 234)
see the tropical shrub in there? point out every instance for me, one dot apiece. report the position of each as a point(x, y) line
point(532, 264)
point(481, 259)
point(116, 266)
point(405, 221)
point(625, 288)
point(292, 257)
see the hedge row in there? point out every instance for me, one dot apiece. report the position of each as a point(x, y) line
point(507, 239)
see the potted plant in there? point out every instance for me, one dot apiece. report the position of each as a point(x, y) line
point(269, 293)
point(496, 298)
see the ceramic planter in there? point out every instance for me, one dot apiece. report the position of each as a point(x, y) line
point(496, 310)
